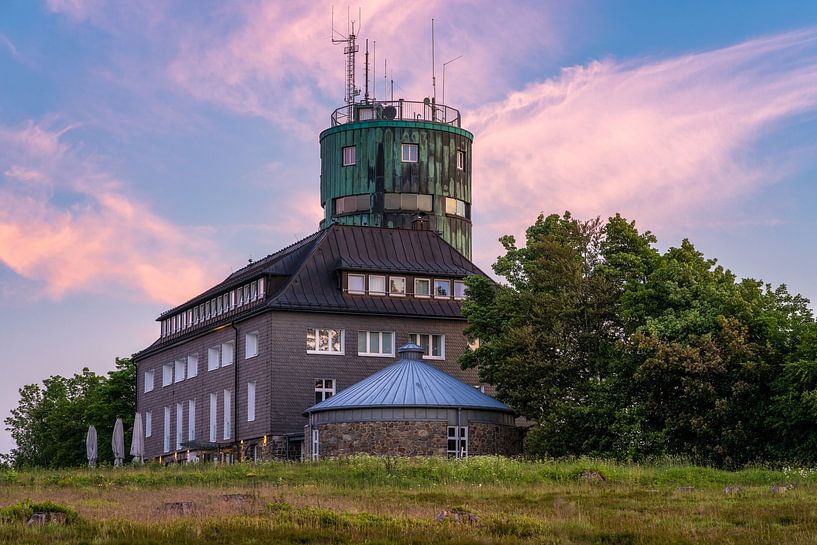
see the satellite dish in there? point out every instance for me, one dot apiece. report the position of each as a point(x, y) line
point(389, 112)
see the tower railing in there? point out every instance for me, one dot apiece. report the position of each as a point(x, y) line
point(403, 110)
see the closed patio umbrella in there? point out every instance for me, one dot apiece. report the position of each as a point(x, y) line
point(118, 443)
point(137, 444)
point(90, 446)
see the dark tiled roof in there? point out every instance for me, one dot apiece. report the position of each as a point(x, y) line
point(309, 275)
point(315, 286)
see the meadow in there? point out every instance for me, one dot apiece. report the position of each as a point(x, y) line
point(481, 500)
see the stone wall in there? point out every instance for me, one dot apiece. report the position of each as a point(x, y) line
point(406, 438)
point(494, 439)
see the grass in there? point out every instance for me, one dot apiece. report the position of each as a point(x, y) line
point(393, 500)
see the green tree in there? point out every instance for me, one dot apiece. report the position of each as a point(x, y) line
point(50, 421)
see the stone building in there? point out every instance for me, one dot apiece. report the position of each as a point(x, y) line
point(411, 409)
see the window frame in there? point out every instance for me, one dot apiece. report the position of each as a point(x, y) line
point(251, 390)
point(191, 420)
point(409, 146)
point(149, 373)
point(417, 339)
point(322, 390)
point(192, 366)
point(454, 290)
point(330, 352)
point(447, 281)
point(213, 354)
point(369, 284)
point(348, 283)
point(247, 345)
point(380, 354)
point(344, 160)
point(460, 438)
point(231, 344)
point(228, 414)
point(430, 288)
point(166, 431)
point(167, 375)
point(179, 364)
point(397, 294)
point(213, 417)
point(460, 159)
point(148, 423)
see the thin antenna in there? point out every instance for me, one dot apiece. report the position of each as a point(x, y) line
point(433, 67)
point(374, 71)
point(385, 76)
point(351, 48)
point(366, 70)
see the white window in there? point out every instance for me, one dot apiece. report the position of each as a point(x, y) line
point(227, 353)
point(148, 423)
point(179, 376)
point(348, 156)
point(397, 286)
point(192, 366)
point(179, 423)
point(149, 381)
point(325, 341)
point(250, 401)
point(315, 444)
point(422, 287)
point(433, 345)
point(442, 289)
point(167, 374)
point(166, 431)
point(377, 284)
point(460, 160)
point(254, 290)
point(457, 441)
point(191, 420)
point(213, 417)
point(228, 414)
point(375, 343)
point(459, 289)
point(324, 389)
point(410, 153)
point(357, 283)
point(251, 345)
point(260, 288)
point(212, 358)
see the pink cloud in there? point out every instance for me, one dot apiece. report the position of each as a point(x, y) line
point(275, 60)
point(668, 142)
point(69, 225)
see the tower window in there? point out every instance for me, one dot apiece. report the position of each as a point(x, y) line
point(410, 153)
point(455, 207)
point(349, 156)
point(460, 160)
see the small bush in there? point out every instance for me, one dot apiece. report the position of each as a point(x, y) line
point(22, 511)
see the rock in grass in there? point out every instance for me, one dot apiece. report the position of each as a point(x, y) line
point(178, 507)
point(590, 475)
point(781, 488)
point(237, 498)
point(733, 489)
point(457, 515)
point(48, 517)
point(685, 489)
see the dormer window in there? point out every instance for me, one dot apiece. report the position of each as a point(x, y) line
point(459, 289)
point(442, 289)
point(422, 287)
point(397, 286)
point(377, 284)
point(357, 284)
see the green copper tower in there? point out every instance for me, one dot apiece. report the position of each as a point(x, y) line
point(398, 164)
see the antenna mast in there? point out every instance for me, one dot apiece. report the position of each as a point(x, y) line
point(433, 68)
point(351, 48)
point(366, 70)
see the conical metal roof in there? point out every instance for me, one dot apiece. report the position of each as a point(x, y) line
point(410, 382)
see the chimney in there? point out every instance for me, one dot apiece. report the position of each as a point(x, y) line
point(420, 222)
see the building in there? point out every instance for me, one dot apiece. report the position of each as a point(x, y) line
point(234, 368)
point(411, 408)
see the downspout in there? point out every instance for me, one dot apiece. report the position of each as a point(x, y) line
point(235, 390)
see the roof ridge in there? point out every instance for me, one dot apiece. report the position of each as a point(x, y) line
point(318, 242)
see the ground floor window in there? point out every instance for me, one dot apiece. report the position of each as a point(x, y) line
point(457, 441)
point(324, 389)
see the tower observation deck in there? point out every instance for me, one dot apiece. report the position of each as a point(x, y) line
point(398, 164)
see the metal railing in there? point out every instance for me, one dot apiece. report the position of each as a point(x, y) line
point(404, 110)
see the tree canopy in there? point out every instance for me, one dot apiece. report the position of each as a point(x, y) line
point(50, 421)
point(610, 347)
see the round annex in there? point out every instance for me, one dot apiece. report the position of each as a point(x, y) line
point(410, 408)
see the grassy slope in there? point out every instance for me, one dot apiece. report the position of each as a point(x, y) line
point(380, 501)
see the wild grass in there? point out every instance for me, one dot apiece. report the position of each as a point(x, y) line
point(396, 500)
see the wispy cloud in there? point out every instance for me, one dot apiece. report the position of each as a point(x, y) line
point(68, 224)
point(9, 45)
point(665, 141)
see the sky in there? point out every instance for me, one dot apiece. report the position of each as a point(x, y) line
point(148, 149)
